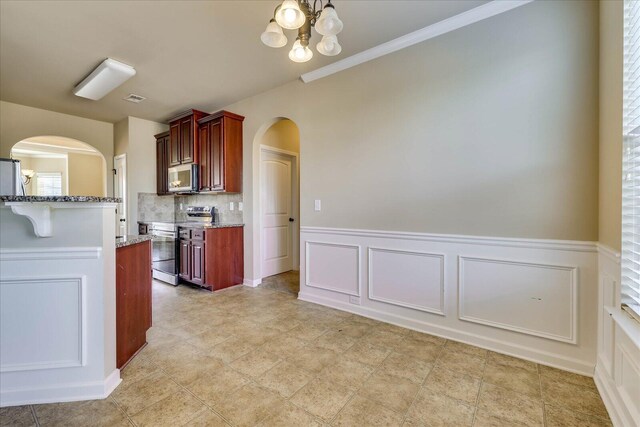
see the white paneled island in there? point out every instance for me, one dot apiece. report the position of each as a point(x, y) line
point(57, 299)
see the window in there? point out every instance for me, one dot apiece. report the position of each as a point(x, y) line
point(49, 184)
point(631, 162)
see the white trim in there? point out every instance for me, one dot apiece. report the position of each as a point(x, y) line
point(560, 245)
point(573, 336)
point(440, 311)
point(264, 147)
point(450, 24)
point(328, 288)
point(523, 352)
point(50, 253)
point(610, 397)
point(253, 283)
point(609, 252)
point(71, 392)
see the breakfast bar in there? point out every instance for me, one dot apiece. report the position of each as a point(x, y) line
point(58, 299)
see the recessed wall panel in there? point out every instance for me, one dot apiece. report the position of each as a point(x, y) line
point(334, 267)
point(535, 299)
point(408, 279)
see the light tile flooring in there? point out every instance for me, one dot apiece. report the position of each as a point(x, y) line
point(260, 357)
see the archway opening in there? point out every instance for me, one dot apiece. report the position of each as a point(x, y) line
point(60, 166)
point(278, 205)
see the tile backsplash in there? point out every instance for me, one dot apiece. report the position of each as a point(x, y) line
point(220, 201)
point(152, 207)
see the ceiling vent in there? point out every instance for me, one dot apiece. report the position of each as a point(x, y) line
point(132, 97)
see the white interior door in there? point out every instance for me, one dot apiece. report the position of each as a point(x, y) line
point(276, 203)
point(120, 190)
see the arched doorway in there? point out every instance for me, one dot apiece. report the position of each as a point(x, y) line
point(60, 166)
point(278, 206)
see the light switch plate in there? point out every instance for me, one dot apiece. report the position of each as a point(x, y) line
point(318, 205)
point(240, 206)
point(354, 300)
point(231, 207)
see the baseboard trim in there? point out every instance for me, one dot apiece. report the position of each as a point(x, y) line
point(252, 283)
point(527, 353)
point(610, 397)
point(61, 393)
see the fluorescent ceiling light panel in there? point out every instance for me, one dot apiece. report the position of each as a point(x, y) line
point(106, 77)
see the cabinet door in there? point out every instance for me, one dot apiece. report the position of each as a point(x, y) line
point(197, 262)
point(186, 140)
point(217, 155)
point(162, 163)
point(185, 259)
point(205, 158)
point(174, 144)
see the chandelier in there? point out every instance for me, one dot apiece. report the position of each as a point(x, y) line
point(300, 15)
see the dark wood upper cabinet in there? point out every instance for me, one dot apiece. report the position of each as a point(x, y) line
point(220, 152)
point(174, 144)
point(184, 138)
point(162, 163)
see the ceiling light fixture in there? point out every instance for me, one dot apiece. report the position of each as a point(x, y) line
point(300, 15)
point(107, 76)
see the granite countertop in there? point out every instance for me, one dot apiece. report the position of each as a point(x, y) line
point(207, 225)
point(84, 199)
point(129, 240)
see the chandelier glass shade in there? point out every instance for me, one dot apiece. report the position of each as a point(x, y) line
point(302, 16)
point(273, 35)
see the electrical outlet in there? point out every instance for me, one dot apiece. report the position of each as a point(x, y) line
point(240, 206)
point(181, 207)
point(354, 300)
point(318, 205)
point(231, 206)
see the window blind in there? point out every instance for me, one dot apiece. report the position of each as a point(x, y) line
point(49, 184)
point(631, 162)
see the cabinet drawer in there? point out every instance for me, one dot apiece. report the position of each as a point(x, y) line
point(197, 234)
point(185, 234)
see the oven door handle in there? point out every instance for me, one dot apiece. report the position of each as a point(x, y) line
point(164, 234)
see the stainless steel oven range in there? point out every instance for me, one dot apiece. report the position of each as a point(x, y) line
point(164, 258)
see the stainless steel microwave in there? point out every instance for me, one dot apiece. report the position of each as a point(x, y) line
point(183, 178)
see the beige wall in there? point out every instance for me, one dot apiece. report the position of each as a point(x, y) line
point(18, 122)
point(611, 72)
point(44, 165)
point(283, 134)
point(86, 175)
point(488, 130)
point(135, 138)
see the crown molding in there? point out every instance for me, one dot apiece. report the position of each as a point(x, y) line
point(469, 17)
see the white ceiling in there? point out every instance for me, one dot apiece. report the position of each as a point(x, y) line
point(188, 54)
point(52, 146)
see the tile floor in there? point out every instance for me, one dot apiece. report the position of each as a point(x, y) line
point(260, 357)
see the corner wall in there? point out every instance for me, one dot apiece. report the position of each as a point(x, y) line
point(134, 137)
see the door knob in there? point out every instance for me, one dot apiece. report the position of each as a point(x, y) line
point(291, 220)
point(122, 220)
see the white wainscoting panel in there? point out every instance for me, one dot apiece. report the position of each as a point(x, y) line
point(405, 278)
point(531, 298)
point(51, 315)
point(333, 267)
point(535, 299)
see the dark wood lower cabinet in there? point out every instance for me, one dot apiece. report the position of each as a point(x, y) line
point(214, 258)
point(197, 262)
point(133, 300)
point(185, 260)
